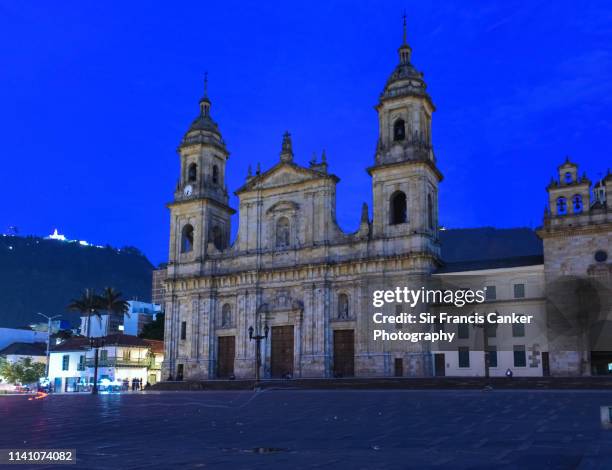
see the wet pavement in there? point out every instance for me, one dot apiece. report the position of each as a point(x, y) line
point(294, 429)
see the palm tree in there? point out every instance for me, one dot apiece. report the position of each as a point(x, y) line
point(88, 304)
point(112, 301)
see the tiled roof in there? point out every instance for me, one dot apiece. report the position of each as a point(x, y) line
point(79, 343)
point(156, 346)
point(25, 349)
point(125, 340)
point(82, 343)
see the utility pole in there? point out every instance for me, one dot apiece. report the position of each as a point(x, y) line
point(48, 338)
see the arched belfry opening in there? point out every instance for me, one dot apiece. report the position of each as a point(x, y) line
point(399, 130)
point(561, 206)
point(187, 239)
point(216, 236)
point(192, 173)
point(215, 174)
point(577, 203)
point(398, 208)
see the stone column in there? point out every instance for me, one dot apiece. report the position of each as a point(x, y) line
point(244, 365)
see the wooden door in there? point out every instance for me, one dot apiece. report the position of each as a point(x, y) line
point(545, 364)
point(344, 353)
point(282, 351)
point(440, 364)
point(226, 353)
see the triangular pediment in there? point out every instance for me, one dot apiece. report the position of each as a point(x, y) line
point(282, 174)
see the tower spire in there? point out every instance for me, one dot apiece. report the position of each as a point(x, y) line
point(405, 51)
point(205, 102)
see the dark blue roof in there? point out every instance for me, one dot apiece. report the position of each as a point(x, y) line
point(489, 248)
point(25, 349)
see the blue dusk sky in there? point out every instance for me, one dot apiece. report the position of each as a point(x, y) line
point(97, 95)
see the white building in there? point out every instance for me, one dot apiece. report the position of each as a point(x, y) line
point(521, 348)
point(16, 352)
point(121, 359)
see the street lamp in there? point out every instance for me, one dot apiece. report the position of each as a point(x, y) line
point(48, 338)
point(96, 344)
point(258, 339)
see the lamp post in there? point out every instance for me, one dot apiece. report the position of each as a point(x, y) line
point(96, 344)
point(258, 339)
point(48, 338)
point(485, 346)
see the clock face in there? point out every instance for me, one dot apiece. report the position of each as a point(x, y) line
point(188, 190)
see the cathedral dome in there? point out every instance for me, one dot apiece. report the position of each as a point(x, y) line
point(203, 129)
point(405, 80)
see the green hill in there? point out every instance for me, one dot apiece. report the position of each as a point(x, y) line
point(38, 275)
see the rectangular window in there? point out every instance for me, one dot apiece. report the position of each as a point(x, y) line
point(81, 365)
point(518, 330)
point(492, 356)
point(491, 330)
point(463, 331)
point(65, 362)
point(519, 291)
point(464, 357)
point(520, 357)
point(103, 355)
point(490, 293)
point(127, 354)
point(184, 330)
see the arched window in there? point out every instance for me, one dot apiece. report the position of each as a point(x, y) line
point(561, 206)
point(226, 316)
point(187, 239)
point(577, 202)
point(430, 219)
point(399, 130)
point(192, 173)
point(399, 213)
point(343, 306)
point(216, 236)
point(215, 174)
point(282, 232)
point(568, 177)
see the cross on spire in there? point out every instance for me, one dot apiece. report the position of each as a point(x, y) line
point(404, 50)
point(205, 102)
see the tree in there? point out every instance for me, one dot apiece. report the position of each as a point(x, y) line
point(22, 372)
point(155, 329)
point(88, 304)
point(112, 301)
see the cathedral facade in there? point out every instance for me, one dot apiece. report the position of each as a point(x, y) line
point(291, 296)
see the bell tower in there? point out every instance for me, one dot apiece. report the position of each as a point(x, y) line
point(200, 213)
point(404, 176)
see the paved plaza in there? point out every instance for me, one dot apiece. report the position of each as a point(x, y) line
point(294, 429)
